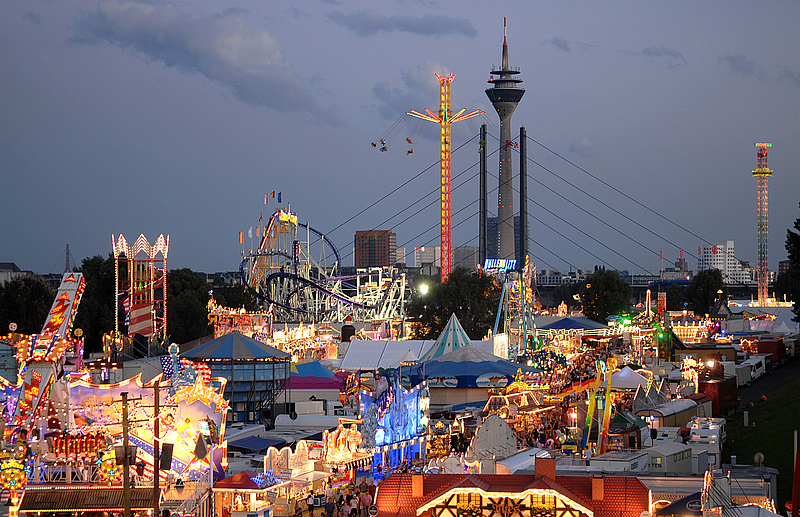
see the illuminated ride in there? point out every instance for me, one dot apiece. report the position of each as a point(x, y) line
point(516, 304)
point(296, 273)
point(444, 119)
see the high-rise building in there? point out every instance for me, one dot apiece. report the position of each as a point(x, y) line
point(465, 256)
point(400, 255)
point(721, 256)
point(504, 96)
point(375, 248)
point(428, 255)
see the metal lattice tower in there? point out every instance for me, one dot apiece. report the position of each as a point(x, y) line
point(763, 173)
point(444, 119)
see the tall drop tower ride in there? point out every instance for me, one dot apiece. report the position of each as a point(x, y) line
point(504, 96)
point(763, 173)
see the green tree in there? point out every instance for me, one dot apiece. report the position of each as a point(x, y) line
point(187, 312)
point(565, 293)
point(95, 314)
point(788, 283)
point(236, 296)
point(26, 301)
point(605, 293)
point(472, 297)
point(676, 297)
point(702, 292)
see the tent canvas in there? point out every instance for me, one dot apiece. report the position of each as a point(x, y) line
point(235, 345)
point(626, 380)
point(573, 322)
point(470, 367)
point(373, 355)
point(452, 338)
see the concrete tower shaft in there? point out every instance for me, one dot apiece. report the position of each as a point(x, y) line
point(504, 96)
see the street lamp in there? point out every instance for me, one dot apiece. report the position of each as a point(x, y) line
point(423, 289)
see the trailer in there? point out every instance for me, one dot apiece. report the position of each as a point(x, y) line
point(769, 363)
point(756, 365)
point(775, 347)
point(744, 375)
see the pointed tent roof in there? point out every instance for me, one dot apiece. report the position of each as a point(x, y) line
point(626, 380)
point(409, 357)
point(235, 345)
point(452, 338)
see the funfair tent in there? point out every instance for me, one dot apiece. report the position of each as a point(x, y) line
point(470, 367)
point(626, 380)
point(386, 354)
point(234, 345)
point(452, 338)
point(314, 376)
point(572, 322)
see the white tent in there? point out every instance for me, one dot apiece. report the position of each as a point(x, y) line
point(626, 380)
point(371, 355)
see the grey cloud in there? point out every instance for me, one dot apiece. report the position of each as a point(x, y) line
point(367, 23)
point(738, 64)
point(790, 76)
point(298, 13)
point(584, 147)
point(33, 18)
point(420, 88)
point(560, 43)
point(587, 46)
point(233, 11)
point(673, 57)
point(248, 62)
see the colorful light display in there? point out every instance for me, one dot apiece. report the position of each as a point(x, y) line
point(444, 119)
point(391, 414)
point(189, 407)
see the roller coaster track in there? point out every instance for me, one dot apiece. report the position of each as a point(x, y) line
point(302, 286)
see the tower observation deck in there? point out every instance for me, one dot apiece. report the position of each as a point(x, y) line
point(504, 96)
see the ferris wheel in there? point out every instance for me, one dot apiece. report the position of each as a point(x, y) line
point(296, 270)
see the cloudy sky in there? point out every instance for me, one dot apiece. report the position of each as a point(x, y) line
point(129, 117)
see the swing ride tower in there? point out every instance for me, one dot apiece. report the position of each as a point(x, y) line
point(504, 96)
point(444, 119)
point(763, 173)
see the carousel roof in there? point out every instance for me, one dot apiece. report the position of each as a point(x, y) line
point(235, 346)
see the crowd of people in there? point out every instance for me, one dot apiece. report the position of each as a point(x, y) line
point(345, 501)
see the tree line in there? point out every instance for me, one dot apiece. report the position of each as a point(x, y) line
point(473, 297)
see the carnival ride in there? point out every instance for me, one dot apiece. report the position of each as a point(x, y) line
point(516, 305)
point(63, 429)
point(300, 280)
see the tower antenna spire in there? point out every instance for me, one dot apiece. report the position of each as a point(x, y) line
point(505, 96)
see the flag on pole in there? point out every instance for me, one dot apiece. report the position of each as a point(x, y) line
point(273, 194)
point(661, 254)
point(241, 237)
point(681, 254)
point(261, 216)
point(714, 249)
point(250, 233)
point(279, 197)
point(699, 251)
point(266, 199)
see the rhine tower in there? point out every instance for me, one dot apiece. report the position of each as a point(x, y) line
point(504, 96)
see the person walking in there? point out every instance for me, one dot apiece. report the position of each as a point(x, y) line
point(310, 504)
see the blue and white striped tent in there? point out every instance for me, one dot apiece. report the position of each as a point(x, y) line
point(452, 338)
